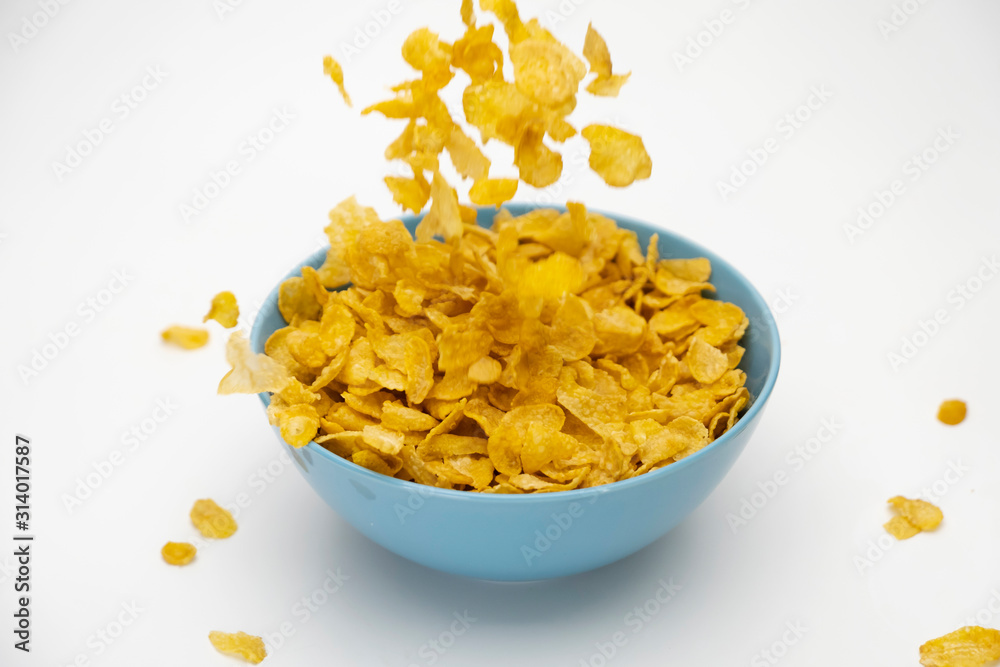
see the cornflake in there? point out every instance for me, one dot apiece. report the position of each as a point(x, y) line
point(951, 412)
point(211, 520)
point(971, 646)
point(189, 338)
point(240, 645)
point(224, 310)
point(914, 516)
point(178, 553)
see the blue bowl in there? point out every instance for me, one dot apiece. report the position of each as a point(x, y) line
point(540, 536)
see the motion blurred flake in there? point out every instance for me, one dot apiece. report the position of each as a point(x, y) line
point(922, 514)
point(951, 412)
point(443, 219)
point(211, 520)
point(971, 646)
point(538, 165)
point(332, 69)
point(492, 191)
point(477, 55)
point(466, 156)
point(498, 109)
point(423, 51)
point(251, 373)
point(506, 11)
point(240, 645)
point(224, 310)
point(178, 553)
point(468, 13)
point(620, 158)
point(189, 338)
point(595, 50)
point(546, 71)
point(410, 193)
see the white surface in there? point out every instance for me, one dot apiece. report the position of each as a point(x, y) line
point(851, 304)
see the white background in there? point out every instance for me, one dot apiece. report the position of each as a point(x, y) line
point(843, 302)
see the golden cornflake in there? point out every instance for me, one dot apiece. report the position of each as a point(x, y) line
point(595, 50)
point(620, 158)
point(211, 520)
point(224, 310)
point(178, 553)
point(951, 412)
point(914, 516)
point(240, 645)
point(251, 373)
point(190, 338)
point(332, 69)
point(971, 646)
point(900, 528)
point(920, 513)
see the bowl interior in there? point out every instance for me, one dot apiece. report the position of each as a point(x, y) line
point(760, 362)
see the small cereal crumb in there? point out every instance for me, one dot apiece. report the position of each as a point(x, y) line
point(951, 412)
point(178, 553)
point(239, 644)
point(212, 520)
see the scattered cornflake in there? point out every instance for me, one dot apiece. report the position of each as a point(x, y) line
point(224, 310)
point(332, 69)
point(190, 338)
point(914, 516)
point(595, 50)
point(951, 412)
point(971, 646)
point(178, 553)
point(620, 158)
point(240, 645)
point(211, 520)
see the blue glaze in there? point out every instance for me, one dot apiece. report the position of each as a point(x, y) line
point(540, 536)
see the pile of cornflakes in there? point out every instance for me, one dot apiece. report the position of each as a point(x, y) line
point(544, 354)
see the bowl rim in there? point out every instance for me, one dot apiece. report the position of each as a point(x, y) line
point(653, 477)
